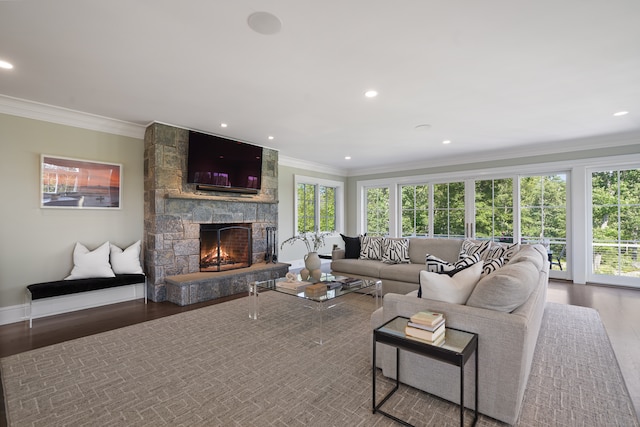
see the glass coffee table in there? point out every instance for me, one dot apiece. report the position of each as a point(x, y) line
point(319, 296)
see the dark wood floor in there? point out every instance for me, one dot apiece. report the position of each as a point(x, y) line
point(618, 308)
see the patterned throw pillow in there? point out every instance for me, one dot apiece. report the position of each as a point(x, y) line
point(501, 250)
point(437, 265)
point(491, 265)
point(371, 248)
point(395, 251)
point(472, 247)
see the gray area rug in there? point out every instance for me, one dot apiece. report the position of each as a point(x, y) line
point(216, 367)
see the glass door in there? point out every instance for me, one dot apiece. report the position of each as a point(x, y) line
point(615, 231)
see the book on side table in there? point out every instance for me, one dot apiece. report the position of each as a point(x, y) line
point(428, 326)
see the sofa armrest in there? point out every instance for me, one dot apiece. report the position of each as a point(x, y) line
point(457, 315)
point(337, 254)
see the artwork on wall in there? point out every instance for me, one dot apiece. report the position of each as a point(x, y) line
point(79, 184)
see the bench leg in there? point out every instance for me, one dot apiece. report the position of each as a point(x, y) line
point(29, 307)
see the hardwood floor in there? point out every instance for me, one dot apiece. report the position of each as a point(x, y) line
point(618, 308)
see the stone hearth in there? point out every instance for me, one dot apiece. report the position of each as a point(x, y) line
point(188, 289)
point(174, 210)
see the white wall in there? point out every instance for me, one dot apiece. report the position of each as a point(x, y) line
point(36, 244)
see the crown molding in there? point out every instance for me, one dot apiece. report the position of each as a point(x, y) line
point(310, 166)
point(64, 116)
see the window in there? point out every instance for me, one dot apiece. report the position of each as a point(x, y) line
point(415, 210)
point(377, 211)
point(318, 205)
point(448, 210)
point(327, 208)
point(615, 222)
point(306, 208)
point(494, 209)
point(543, 214)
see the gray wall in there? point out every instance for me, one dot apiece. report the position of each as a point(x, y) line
point(36, 244)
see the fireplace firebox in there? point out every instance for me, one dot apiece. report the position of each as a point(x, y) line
point(225, 246)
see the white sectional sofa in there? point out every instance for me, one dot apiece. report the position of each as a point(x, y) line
point(504, 308)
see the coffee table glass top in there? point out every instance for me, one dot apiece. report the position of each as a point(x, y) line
point(328, 288)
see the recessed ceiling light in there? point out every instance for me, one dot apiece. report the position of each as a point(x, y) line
point(223, 125)
point(347, 157)
point(371, 93)
point(446, 142)
point(621, 113)
point(423, 127)
point(6, 65)
point(270, 137)
point(264, 23)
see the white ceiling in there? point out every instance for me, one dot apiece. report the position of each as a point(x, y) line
point(487, 75)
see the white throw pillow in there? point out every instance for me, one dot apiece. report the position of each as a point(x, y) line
point(127, 261)
point(90, 264)
point(455, 289)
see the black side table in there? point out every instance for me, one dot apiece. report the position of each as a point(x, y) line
point(457, 348)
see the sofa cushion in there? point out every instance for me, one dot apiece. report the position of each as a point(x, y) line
point(445, 249)
point(371, 248)
point(508, 287)
point(453, 289)
point(351, 247)
point(409, 273)
point(395, 251)
point(359, 267)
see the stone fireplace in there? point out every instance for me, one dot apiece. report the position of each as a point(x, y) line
point(175, 210)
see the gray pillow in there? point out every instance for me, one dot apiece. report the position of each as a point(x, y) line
point(507, 288)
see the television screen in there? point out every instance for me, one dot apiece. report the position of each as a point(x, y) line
point(219, 162)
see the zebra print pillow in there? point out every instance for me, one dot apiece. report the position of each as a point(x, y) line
point(499, 250)
point(437, 265)
point(472, 247)
point(371, 248)
point(492, 265)
point(395, 251)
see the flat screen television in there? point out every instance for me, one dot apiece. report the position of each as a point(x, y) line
point(221, 164)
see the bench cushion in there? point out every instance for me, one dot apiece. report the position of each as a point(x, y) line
point(66, 287)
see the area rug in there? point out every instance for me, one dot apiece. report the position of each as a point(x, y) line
point(216, 367)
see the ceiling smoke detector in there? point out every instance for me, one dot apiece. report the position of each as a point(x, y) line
point(264, 23)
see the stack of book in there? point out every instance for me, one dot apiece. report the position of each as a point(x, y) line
point(426, 326)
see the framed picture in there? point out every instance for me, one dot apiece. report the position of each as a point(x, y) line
point(79, 184)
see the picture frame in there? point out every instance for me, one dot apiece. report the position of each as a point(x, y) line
point(68, 183)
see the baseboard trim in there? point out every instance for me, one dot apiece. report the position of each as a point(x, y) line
point(68, 303)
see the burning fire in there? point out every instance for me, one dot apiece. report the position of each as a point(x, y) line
point(211, 258)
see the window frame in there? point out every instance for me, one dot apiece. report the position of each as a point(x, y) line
point(338, 186)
